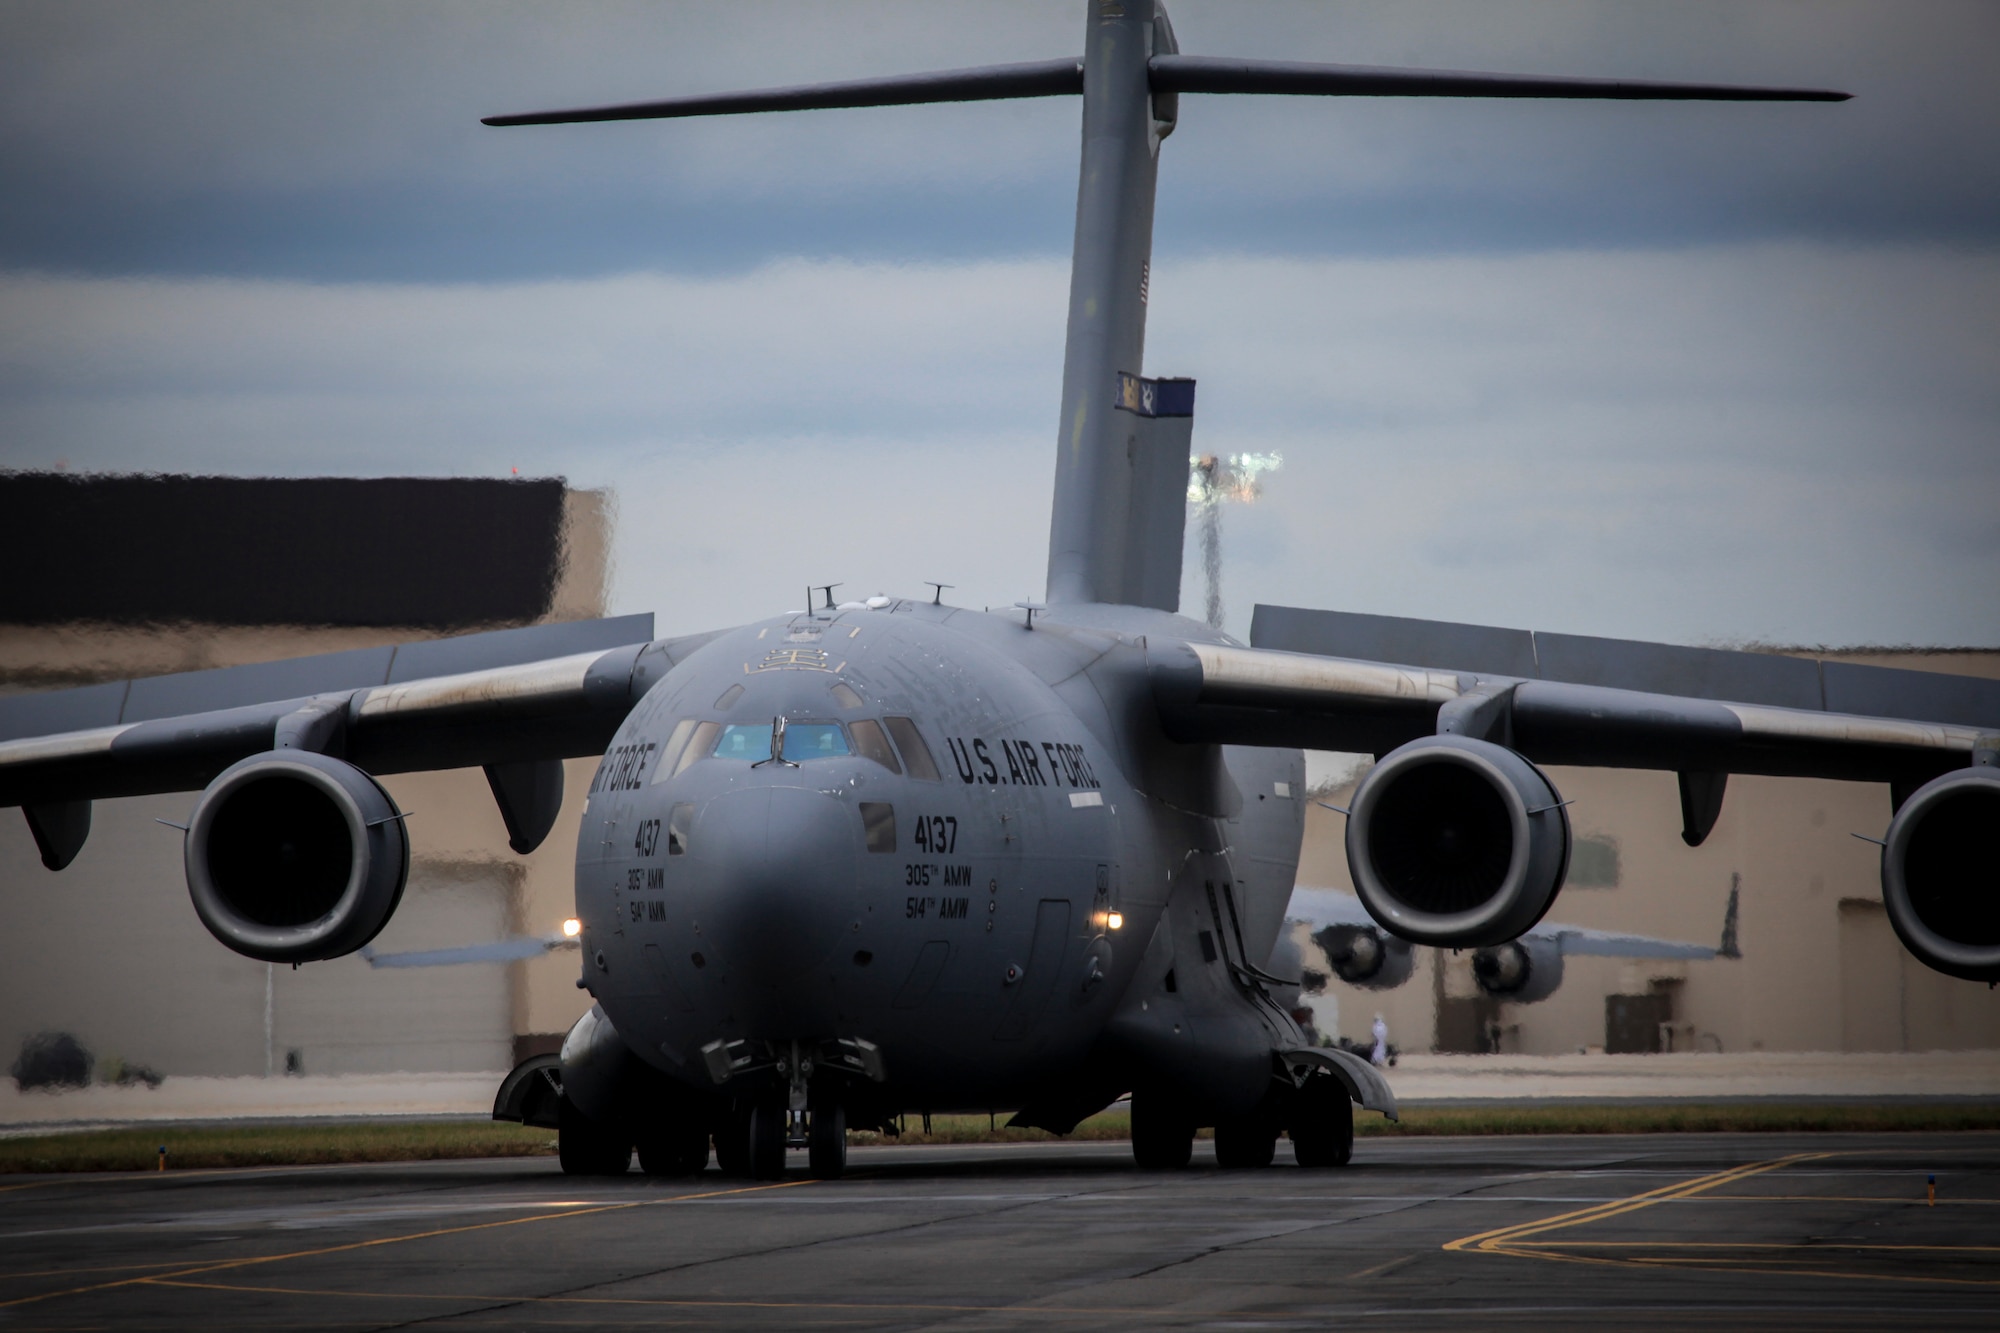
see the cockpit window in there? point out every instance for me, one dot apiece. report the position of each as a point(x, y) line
point(844, 695)
point(670, 753)
point(803, 741)
point(870, 743)
point(916, 755)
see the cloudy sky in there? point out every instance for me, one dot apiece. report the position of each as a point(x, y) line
point(1699, 373)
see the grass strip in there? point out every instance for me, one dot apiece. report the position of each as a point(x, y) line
point(1609, 1118)
point(1721, 1118)
point(207, 1146)
point(210, 1146)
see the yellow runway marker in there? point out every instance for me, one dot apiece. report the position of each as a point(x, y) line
point(1502, 1240)
point(224, 1265)
point(1526, 1240)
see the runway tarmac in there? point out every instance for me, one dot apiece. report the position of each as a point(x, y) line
point(1809, 1231)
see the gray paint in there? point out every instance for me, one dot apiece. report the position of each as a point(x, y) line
point(1781, 680)
point(1083, 772)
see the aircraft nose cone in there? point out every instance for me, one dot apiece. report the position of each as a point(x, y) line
point(777, 867)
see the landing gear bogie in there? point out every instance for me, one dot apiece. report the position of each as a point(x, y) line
point(1322, 1125)
point(1245, 1142)
point(586, 1147)
point(1162, 1134)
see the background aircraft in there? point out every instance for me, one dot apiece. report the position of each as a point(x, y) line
point(858, 860)
point(1355, 948)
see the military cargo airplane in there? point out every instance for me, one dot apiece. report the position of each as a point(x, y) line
point(1527, 968)
point(893, 857)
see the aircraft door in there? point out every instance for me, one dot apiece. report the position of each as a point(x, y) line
point(1036, 981)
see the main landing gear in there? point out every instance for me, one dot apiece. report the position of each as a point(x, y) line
point(1318, 1116)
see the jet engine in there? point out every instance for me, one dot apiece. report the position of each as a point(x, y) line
point(1364, 956)
point(1457, 842)
point(1523, 970)
point(1937, 874)
point(293, 856)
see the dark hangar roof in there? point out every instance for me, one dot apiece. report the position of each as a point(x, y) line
point(423, 552)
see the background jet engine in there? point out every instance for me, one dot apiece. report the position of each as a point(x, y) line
point(1938, 877)
point(1523, 970)
point(293, 856)
point(1457, 842)
point(1364, 956)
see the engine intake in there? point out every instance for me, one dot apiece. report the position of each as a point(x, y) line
point(1937, 874)
point(1457, 842)
point(1523, 970)
point(1364, 956)
point(293, 856)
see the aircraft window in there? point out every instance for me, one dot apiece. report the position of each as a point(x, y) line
point(701, 742)
point(878, 821)
point(870, 743)
point(670, 753)
point(729, 696)
point(803, 741)
point(844, 695)
point(679, 820)
point(916, 755)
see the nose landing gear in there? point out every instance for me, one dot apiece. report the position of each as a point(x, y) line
point(826, 1138)
point(805, 1113)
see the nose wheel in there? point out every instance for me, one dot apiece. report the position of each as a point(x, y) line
point(767, 1140)
point(826, 1139)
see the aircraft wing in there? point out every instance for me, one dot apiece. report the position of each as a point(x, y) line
point(1326, 907)
point(1319, 908)
point(510, 950)
point(1575, 942)
point(1458, 838)
point(1326, 680)
point(512, 701)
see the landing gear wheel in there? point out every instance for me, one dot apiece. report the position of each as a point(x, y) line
point(587, 1148)
point(826, 1148)
point(732, 1142)
point(1162, 1137)
point(675, 1148)
point(767, 1141)
point(1245, 1142)
point(1323, 1123)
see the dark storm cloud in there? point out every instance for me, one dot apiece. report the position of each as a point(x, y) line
point(341, 141)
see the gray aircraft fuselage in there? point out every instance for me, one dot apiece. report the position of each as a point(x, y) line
point(1009, 913)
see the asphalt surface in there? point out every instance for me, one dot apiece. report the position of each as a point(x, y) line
point(1762, 1231)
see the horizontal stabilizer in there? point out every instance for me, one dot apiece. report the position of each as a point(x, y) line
point(1039, 78)
point(1212, 74)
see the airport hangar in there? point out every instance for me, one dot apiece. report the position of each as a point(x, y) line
point(155, 575)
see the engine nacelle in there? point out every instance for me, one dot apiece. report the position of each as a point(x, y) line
point(1522, 971)
point(293, 856)
point(1364, 956)
point(1938, 878)
point(1457, 842)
